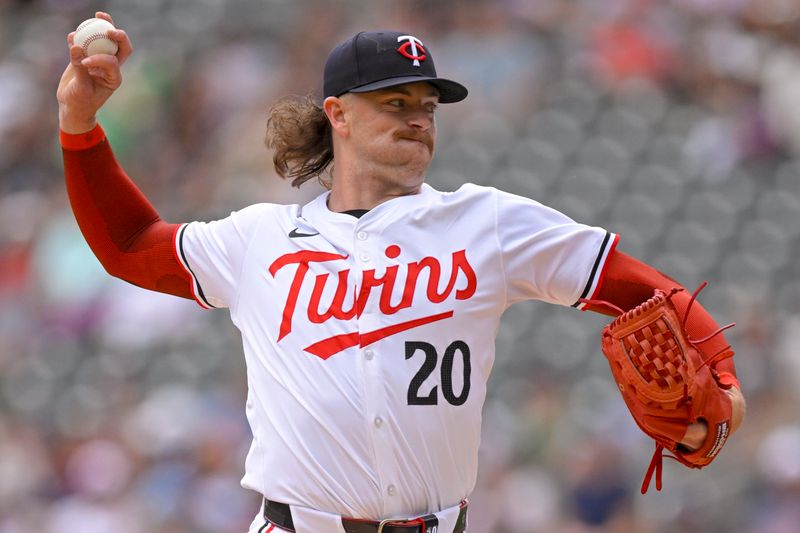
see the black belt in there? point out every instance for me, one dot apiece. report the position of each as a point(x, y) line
point(281, 515)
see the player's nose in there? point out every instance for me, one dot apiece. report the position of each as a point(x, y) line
point(421, 120)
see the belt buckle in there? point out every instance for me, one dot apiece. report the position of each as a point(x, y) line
point(398, 522)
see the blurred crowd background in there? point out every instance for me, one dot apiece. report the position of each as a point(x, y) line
point(675, 123)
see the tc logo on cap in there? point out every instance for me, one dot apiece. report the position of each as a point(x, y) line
point(412, 48)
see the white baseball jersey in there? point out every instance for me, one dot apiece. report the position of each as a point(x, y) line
point(369, 341)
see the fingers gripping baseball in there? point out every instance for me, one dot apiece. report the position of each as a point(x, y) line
point(89, 80)
point(104, 69)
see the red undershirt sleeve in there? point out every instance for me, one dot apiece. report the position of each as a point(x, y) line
point(118, 222)
point(627, 282)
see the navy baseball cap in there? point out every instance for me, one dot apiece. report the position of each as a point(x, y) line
point(375, 60)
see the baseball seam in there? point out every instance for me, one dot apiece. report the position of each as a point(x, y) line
point(84, 24)
point(92, 38)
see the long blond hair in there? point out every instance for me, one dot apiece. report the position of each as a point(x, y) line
point(300, 135)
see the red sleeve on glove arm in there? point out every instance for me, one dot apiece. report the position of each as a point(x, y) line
point(629, 282)
point(123, 230)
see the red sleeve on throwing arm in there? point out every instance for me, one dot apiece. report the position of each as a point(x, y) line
point(629, 282)
point(123, 230)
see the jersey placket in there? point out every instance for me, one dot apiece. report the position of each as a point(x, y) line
point(367, 251)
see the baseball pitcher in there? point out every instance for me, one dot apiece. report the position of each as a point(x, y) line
point(368, 315)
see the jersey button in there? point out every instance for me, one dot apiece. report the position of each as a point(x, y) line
point(364, 256)
point(391, 490)
point(361, 235)
point(378, 421)
point(369, 354)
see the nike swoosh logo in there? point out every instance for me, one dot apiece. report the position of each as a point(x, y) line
point(294, 234)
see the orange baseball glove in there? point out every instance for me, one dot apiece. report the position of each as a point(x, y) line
point(666, 383)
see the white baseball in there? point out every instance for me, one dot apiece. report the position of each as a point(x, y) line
point(92, 36)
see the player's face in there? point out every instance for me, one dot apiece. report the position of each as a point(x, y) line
point(396, 128)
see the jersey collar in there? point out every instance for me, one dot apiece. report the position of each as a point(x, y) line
point(318, 207)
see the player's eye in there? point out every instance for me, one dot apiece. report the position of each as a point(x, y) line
point(396, 102)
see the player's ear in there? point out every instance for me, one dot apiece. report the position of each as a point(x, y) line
point(335, 109)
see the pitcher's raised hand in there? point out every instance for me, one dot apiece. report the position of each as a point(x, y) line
point(88, 82)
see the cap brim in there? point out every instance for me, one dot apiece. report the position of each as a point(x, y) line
point(449, 91)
